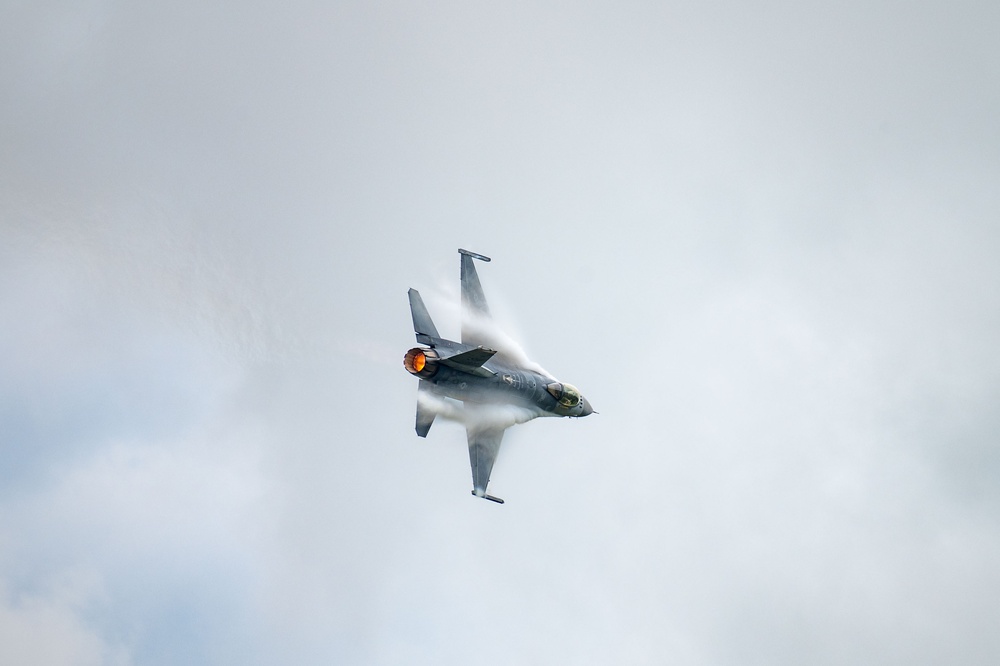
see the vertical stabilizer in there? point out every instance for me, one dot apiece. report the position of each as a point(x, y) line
point(422, 322)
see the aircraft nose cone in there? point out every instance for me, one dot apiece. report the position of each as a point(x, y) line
point(587, 409)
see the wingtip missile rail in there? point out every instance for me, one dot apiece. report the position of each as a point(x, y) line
point(489, 497)
point(480, 257)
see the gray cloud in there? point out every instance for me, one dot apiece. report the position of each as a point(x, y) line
point(760, 239)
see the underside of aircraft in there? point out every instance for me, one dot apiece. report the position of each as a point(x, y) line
point(496, 389)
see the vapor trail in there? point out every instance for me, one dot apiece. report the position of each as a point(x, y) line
point(445, 300)
point(473, 414)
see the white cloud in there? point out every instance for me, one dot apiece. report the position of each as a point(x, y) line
point(49, 628)
point(761, 240)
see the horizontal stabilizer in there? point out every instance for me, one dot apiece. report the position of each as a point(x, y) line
point(425, 416)
point(471, 361)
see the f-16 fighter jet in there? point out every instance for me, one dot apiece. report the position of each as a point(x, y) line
point(497, 387)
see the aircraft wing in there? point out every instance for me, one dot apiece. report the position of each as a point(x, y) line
point(475, 311)
point(484, 445)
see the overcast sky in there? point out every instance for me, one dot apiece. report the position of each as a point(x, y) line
point(760, 237)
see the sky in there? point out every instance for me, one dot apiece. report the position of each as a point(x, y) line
point(760, 237)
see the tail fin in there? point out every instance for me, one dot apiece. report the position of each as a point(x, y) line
point(422, 322)
point(425, 417)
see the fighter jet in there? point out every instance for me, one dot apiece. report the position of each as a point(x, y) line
point(497, 387)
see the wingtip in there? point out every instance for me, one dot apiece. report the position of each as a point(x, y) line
point(488, 497)
point(474, 255)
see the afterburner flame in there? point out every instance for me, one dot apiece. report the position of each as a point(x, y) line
point(420, 362)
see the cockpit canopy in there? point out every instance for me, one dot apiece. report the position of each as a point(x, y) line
point(567, 394)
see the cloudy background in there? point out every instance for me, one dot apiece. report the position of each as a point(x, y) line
point(762, 239)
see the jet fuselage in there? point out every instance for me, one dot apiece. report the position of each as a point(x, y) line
point(508, 385)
